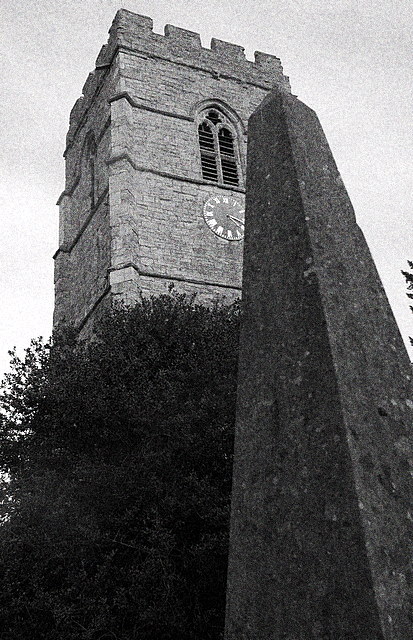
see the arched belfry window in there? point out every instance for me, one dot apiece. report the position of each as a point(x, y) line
point(219, 149)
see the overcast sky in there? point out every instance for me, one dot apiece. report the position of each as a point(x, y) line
point(349, 60)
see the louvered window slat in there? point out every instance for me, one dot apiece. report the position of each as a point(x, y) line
point(218, 154)
point(227, 152)
point(206, 138)
point(226, 143)
point(208, 155)
point(209, 168)
point(229, 172)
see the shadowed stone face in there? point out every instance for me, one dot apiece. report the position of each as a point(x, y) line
point(321, 533)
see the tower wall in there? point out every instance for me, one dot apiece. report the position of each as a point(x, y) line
point(145, 229)
point(83, 257)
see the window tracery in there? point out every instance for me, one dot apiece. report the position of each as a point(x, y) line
point(218, 146)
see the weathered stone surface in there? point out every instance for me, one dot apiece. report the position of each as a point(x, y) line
point(321, 534)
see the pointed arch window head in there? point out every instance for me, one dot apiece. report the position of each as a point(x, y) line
point(219, 149)
point(213, 116)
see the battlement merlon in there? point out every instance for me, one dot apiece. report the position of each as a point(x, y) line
point(133, 32)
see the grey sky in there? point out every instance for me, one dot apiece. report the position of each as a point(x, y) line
point(349, 60)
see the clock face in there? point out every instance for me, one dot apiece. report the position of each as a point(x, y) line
point(224, 215)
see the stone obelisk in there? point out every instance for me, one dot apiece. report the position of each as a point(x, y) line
point(321, 543)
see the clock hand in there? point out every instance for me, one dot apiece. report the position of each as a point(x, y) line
point(237, 221)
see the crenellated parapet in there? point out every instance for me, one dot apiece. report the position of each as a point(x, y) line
point(136, 32)
point(131, 32)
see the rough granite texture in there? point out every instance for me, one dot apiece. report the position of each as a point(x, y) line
point(145, 227)
point(321, 542)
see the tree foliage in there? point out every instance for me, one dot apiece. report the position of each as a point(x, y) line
point(409, 280)
point(119, 455)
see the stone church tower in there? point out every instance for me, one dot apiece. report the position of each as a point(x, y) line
point(155, 169)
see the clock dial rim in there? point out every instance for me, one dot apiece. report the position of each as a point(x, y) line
point(230, 227)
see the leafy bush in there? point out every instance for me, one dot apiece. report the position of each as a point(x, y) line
point(119, 453)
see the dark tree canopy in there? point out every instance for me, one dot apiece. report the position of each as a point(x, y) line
point(409, 280)
point(119, 455)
